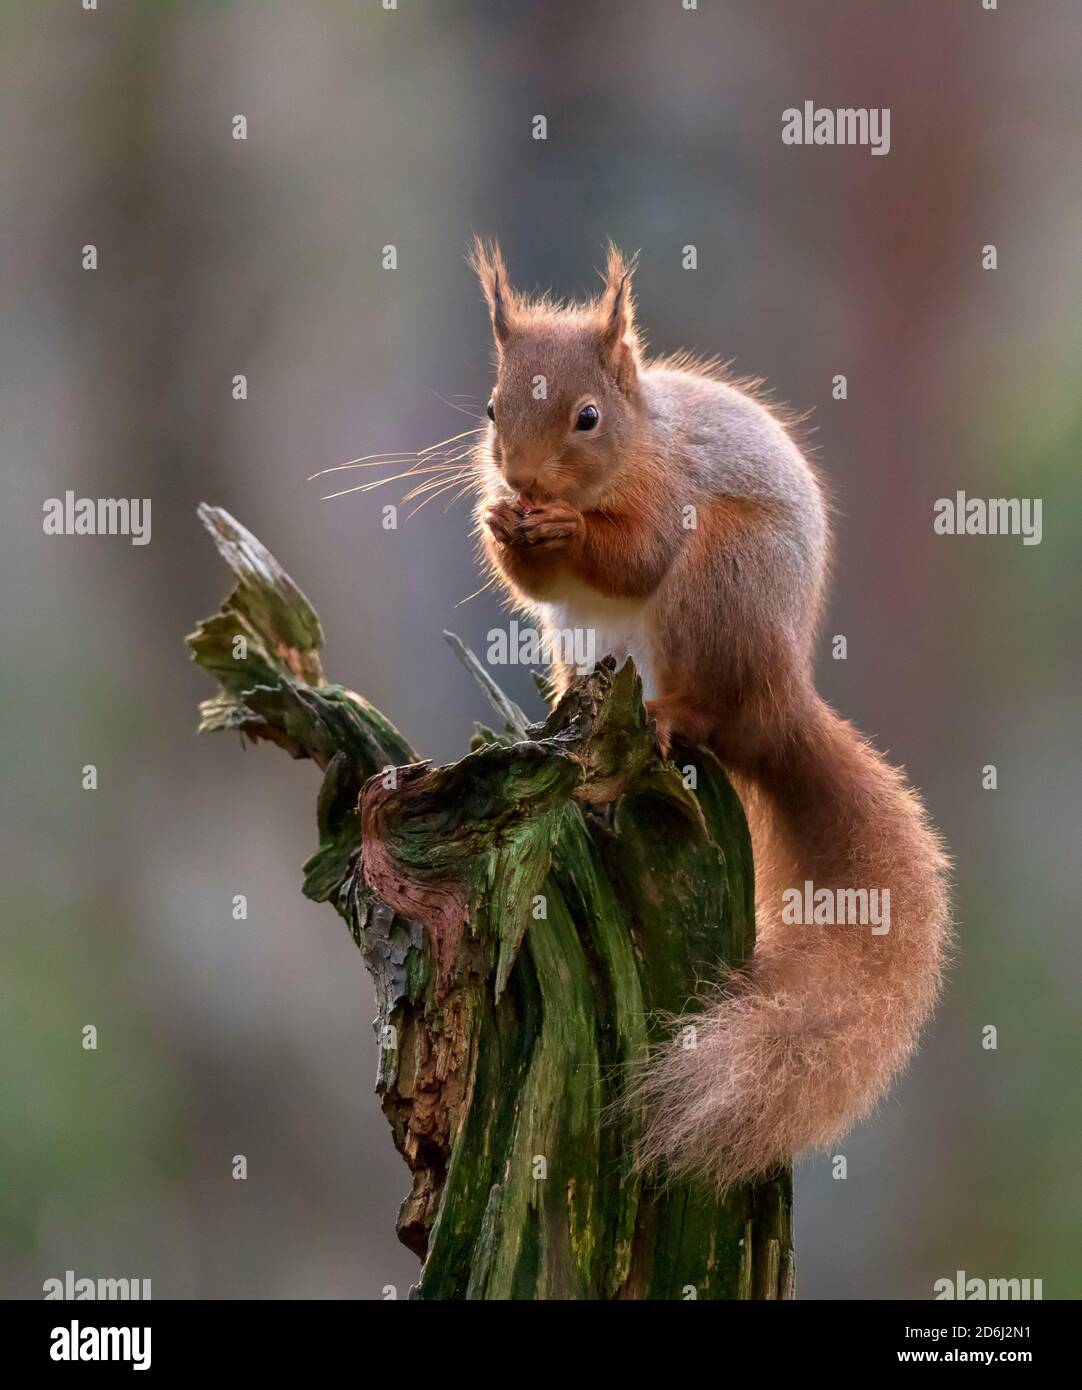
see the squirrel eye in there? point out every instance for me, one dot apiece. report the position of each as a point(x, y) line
point(588, 418)
point(490, 411)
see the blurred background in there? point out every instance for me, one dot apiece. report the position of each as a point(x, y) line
point(218, 257)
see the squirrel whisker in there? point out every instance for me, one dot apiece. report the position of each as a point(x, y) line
point(377, 460)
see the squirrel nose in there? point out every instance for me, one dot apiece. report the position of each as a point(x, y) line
point(520, 473)
point(520, 479)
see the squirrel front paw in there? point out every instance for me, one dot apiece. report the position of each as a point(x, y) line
point(502, 519)
point(540, 526)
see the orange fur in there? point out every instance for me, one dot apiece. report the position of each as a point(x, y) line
point(689, 531)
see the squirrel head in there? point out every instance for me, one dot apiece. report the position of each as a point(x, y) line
point(566, 409)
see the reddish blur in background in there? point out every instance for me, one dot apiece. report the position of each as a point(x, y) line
point(412, 127)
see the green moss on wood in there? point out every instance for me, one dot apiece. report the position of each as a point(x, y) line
point(529, 915)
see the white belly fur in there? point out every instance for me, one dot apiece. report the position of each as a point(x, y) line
point(617, 625)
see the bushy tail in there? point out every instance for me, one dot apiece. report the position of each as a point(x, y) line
point(803, 1042)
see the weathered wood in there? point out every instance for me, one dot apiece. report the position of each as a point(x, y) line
point(530, 915)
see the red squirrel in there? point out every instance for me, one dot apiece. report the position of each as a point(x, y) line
point(656, 503)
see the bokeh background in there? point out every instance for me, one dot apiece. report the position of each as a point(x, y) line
point(263, 257)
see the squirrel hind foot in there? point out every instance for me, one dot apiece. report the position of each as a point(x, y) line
point(679, 720)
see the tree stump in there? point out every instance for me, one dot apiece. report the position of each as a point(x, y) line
point(531, 916)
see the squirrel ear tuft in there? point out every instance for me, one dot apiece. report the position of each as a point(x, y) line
point(487, 262)
point(619, 343)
